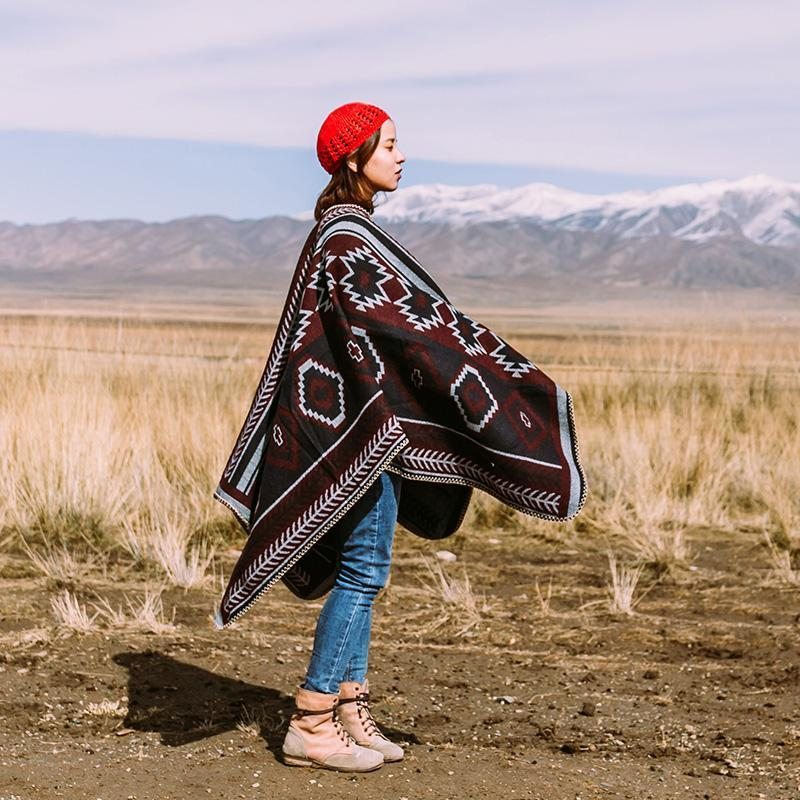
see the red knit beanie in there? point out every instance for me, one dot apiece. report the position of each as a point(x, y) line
point(346, 128)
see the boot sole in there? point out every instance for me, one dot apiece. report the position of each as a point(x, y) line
point(295, 761)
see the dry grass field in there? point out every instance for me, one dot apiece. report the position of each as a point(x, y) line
point(648, 648)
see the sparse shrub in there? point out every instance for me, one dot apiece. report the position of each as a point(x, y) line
point(222, 532)
point(164, 536)
point(71, 528)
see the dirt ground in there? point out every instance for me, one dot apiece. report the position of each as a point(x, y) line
point(695, 696)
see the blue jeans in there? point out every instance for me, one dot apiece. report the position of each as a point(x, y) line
point(341, 641)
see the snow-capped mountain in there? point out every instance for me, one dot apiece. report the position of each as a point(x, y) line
point(489, 245)
point(760, 208)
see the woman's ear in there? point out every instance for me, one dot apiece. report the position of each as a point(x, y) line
point(352, 164)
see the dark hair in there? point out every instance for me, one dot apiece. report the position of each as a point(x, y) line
point(347, 186)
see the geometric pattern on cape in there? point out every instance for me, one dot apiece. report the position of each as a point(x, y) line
point(466, 331)
point(507, 358)
point(285, 452)
point(319, 284)
point(372, 368)
point(368, 351)
point(419, 308)
point(320, 393)
point(364, 279)
point(527, 422)
point(474, 400)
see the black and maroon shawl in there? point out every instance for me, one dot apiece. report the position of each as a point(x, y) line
point(372, 368)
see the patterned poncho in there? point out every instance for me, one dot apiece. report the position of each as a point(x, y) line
point(372, 368)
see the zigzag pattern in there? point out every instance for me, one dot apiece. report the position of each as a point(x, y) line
point(321, 283)
point(516, 368)
point(318, 514)
point(266, 389)
point(439, 463)
point(304, 320)
point(360, 332)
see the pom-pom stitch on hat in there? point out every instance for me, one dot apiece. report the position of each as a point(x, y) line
point(344, 129)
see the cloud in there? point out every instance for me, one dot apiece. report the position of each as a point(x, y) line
point(667, 87)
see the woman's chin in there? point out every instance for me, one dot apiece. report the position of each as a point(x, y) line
point(388, 187)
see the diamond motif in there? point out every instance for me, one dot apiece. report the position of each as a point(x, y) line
point(527, 419)
point(364, 279)
point(473, 398)
point(466, 330)
point(321, 393)
point(423, 312)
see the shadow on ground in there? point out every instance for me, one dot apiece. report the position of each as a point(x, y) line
point(184, 703)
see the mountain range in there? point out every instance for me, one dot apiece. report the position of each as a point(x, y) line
point(479, 242)
point(759, 208)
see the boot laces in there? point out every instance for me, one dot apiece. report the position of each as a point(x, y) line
point(364, 714)
point(342, 731)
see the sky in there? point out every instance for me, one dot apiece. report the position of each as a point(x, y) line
point(157, 110)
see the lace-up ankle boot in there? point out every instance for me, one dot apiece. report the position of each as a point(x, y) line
point(316, 738)
point(353, 710)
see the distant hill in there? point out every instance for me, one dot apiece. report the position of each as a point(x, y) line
point(507, 245)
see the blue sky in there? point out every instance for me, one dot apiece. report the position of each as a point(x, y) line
point(163, 109)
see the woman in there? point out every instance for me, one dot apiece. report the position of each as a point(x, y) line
point(380, 401)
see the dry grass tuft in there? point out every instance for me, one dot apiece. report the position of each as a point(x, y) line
point(459, 608)
point(71, 615)
point(107, 708)
point(147, 615)
point(185, 564)
point(783, 567)
point(544, 599)
point(624, 580)
point(57, 562)
point(254, 723)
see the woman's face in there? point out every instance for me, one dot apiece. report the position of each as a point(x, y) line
point(384, 166)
